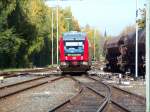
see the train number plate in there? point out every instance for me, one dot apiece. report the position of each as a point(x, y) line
point(74, 63)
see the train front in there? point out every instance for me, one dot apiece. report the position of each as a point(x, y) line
point(74, 52)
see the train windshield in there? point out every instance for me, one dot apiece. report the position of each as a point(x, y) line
point(74, 47)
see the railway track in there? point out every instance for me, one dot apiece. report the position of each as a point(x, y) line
point(12, 89)
point(93, 97)
point(9, 75)
point(24, 72)
point(87, 99)
point(132, 102)
point(111, 106)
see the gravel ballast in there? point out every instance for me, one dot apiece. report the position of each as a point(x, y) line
point(13, 80)
point(40, 99)
point(137, 87)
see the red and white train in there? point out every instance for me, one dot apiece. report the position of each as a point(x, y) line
point(74, 52)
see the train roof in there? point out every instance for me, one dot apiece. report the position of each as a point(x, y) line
point(73, 35)
point(143, 36)
point(114, 42)
point(131, 38)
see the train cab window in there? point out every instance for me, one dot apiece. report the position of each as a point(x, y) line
point(74, 47)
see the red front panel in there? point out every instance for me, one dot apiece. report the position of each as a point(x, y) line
point(86, 50)
point(84, 57)
point(61, 50)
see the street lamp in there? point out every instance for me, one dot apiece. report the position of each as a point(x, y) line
point(67, 18)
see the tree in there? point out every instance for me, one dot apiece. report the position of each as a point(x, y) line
point(142, 20)
point(25, 32)
point(10, 41)
point(99, 39)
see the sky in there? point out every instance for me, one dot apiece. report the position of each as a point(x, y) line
point(110, 15)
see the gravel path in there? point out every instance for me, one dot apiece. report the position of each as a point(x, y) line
point(40, 99)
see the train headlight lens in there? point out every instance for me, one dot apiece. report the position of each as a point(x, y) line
point(74, 58)
point(85, 63)
point(66, 58)
point(81, 57)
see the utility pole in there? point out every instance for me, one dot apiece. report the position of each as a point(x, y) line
point(68, 18)
point(52, 39)
point(147, 56)
point(57, 31)
point(68, 26)
point(136, 44)
point(105, 34)
point(94, 43)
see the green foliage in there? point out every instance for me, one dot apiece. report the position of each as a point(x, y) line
point(9, 46)
point(142, 20)
point(95, 39)
point(9, 41)
point(6, 7)
point(25, 32)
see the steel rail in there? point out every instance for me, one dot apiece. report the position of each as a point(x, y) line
point(67, 101)
point(114, 102)
point(106, 98)
point(24, 72)
point(128, 92)
point(27, 70)
point(22, 82)
point(29, 87)
point(103, 104)
point(82, 85)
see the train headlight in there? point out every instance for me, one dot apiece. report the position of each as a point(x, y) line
point(74, 58)
point(81, 57)
point(66, 58)
point(85, 63)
